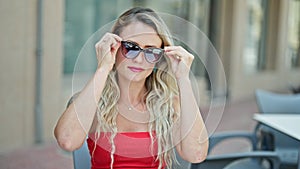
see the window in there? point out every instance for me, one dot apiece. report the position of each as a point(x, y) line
point(82, 19)
point(254, 56)
point(293, 49)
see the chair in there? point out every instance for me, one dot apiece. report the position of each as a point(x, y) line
point(182, 164)
point(246, 160)
point(274, 103)
point(81, 157)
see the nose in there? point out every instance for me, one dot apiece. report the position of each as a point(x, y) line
point(140, 58)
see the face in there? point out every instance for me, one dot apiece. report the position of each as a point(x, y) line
point(138, 68)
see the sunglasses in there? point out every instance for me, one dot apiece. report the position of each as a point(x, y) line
point(131, 50)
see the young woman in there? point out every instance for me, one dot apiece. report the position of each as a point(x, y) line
point(139, 105)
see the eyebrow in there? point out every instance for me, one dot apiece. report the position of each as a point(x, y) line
point(146, 46)
point(151, 46)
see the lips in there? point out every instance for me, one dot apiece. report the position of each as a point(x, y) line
point(135, 69)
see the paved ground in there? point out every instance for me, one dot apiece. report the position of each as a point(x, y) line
point(237, 116)
point(46, 156)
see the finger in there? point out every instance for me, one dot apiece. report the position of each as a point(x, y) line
point(111, 39)
point(115, 47)
point(174, 54)
point(174, 48)
point(113, 42)
point(107, 44)
point(179, 53)
point(118, 38)
point(99, 52)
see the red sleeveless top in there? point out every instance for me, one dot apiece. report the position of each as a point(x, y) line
point(132, 150)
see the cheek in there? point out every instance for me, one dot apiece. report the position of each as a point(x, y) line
point(119, 58)
point(149, 68)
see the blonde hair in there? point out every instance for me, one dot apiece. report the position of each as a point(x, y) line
point(161, 90)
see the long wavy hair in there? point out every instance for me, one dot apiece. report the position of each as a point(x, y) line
point(161, 90)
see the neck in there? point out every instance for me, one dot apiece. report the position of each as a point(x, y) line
point(132, 92)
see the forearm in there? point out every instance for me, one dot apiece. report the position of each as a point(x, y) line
point(75, 122)
point(193, 134)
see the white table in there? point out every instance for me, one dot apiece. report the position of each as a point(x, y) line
point(288, 124)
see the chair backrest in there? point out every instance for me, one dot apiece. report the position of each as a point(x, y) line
point(269, 102)
point(245, 160)
point(182, 164)
point(81, 157)
point(251, 160)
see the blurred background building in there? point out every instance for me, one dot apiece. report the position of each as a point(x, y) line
point(258, 42)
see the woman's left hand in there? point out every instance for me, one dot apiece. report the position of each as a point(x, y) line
point(181, 60)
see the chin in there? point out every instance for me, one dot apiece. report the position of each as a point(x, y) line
point(137, 79)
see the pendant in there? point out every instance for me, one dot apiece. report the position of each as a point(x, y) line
point(129, 108)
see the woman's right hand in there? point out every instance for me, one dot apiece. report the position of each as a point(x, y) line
point(106, 50)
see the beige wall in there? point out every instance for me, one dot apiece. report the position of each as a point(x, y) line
point(52, 63)
point(17, 73)
point(17, 69)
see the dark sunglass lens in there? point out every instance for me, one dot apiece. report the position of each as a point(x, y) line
point(153, 55)
point(130, 50)
point(132, 54)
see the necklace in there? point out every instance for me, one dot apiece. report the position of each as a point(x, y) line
point(131, 107)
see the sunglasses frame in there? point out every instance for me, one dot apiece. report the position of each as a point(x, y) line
point(140, 50)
